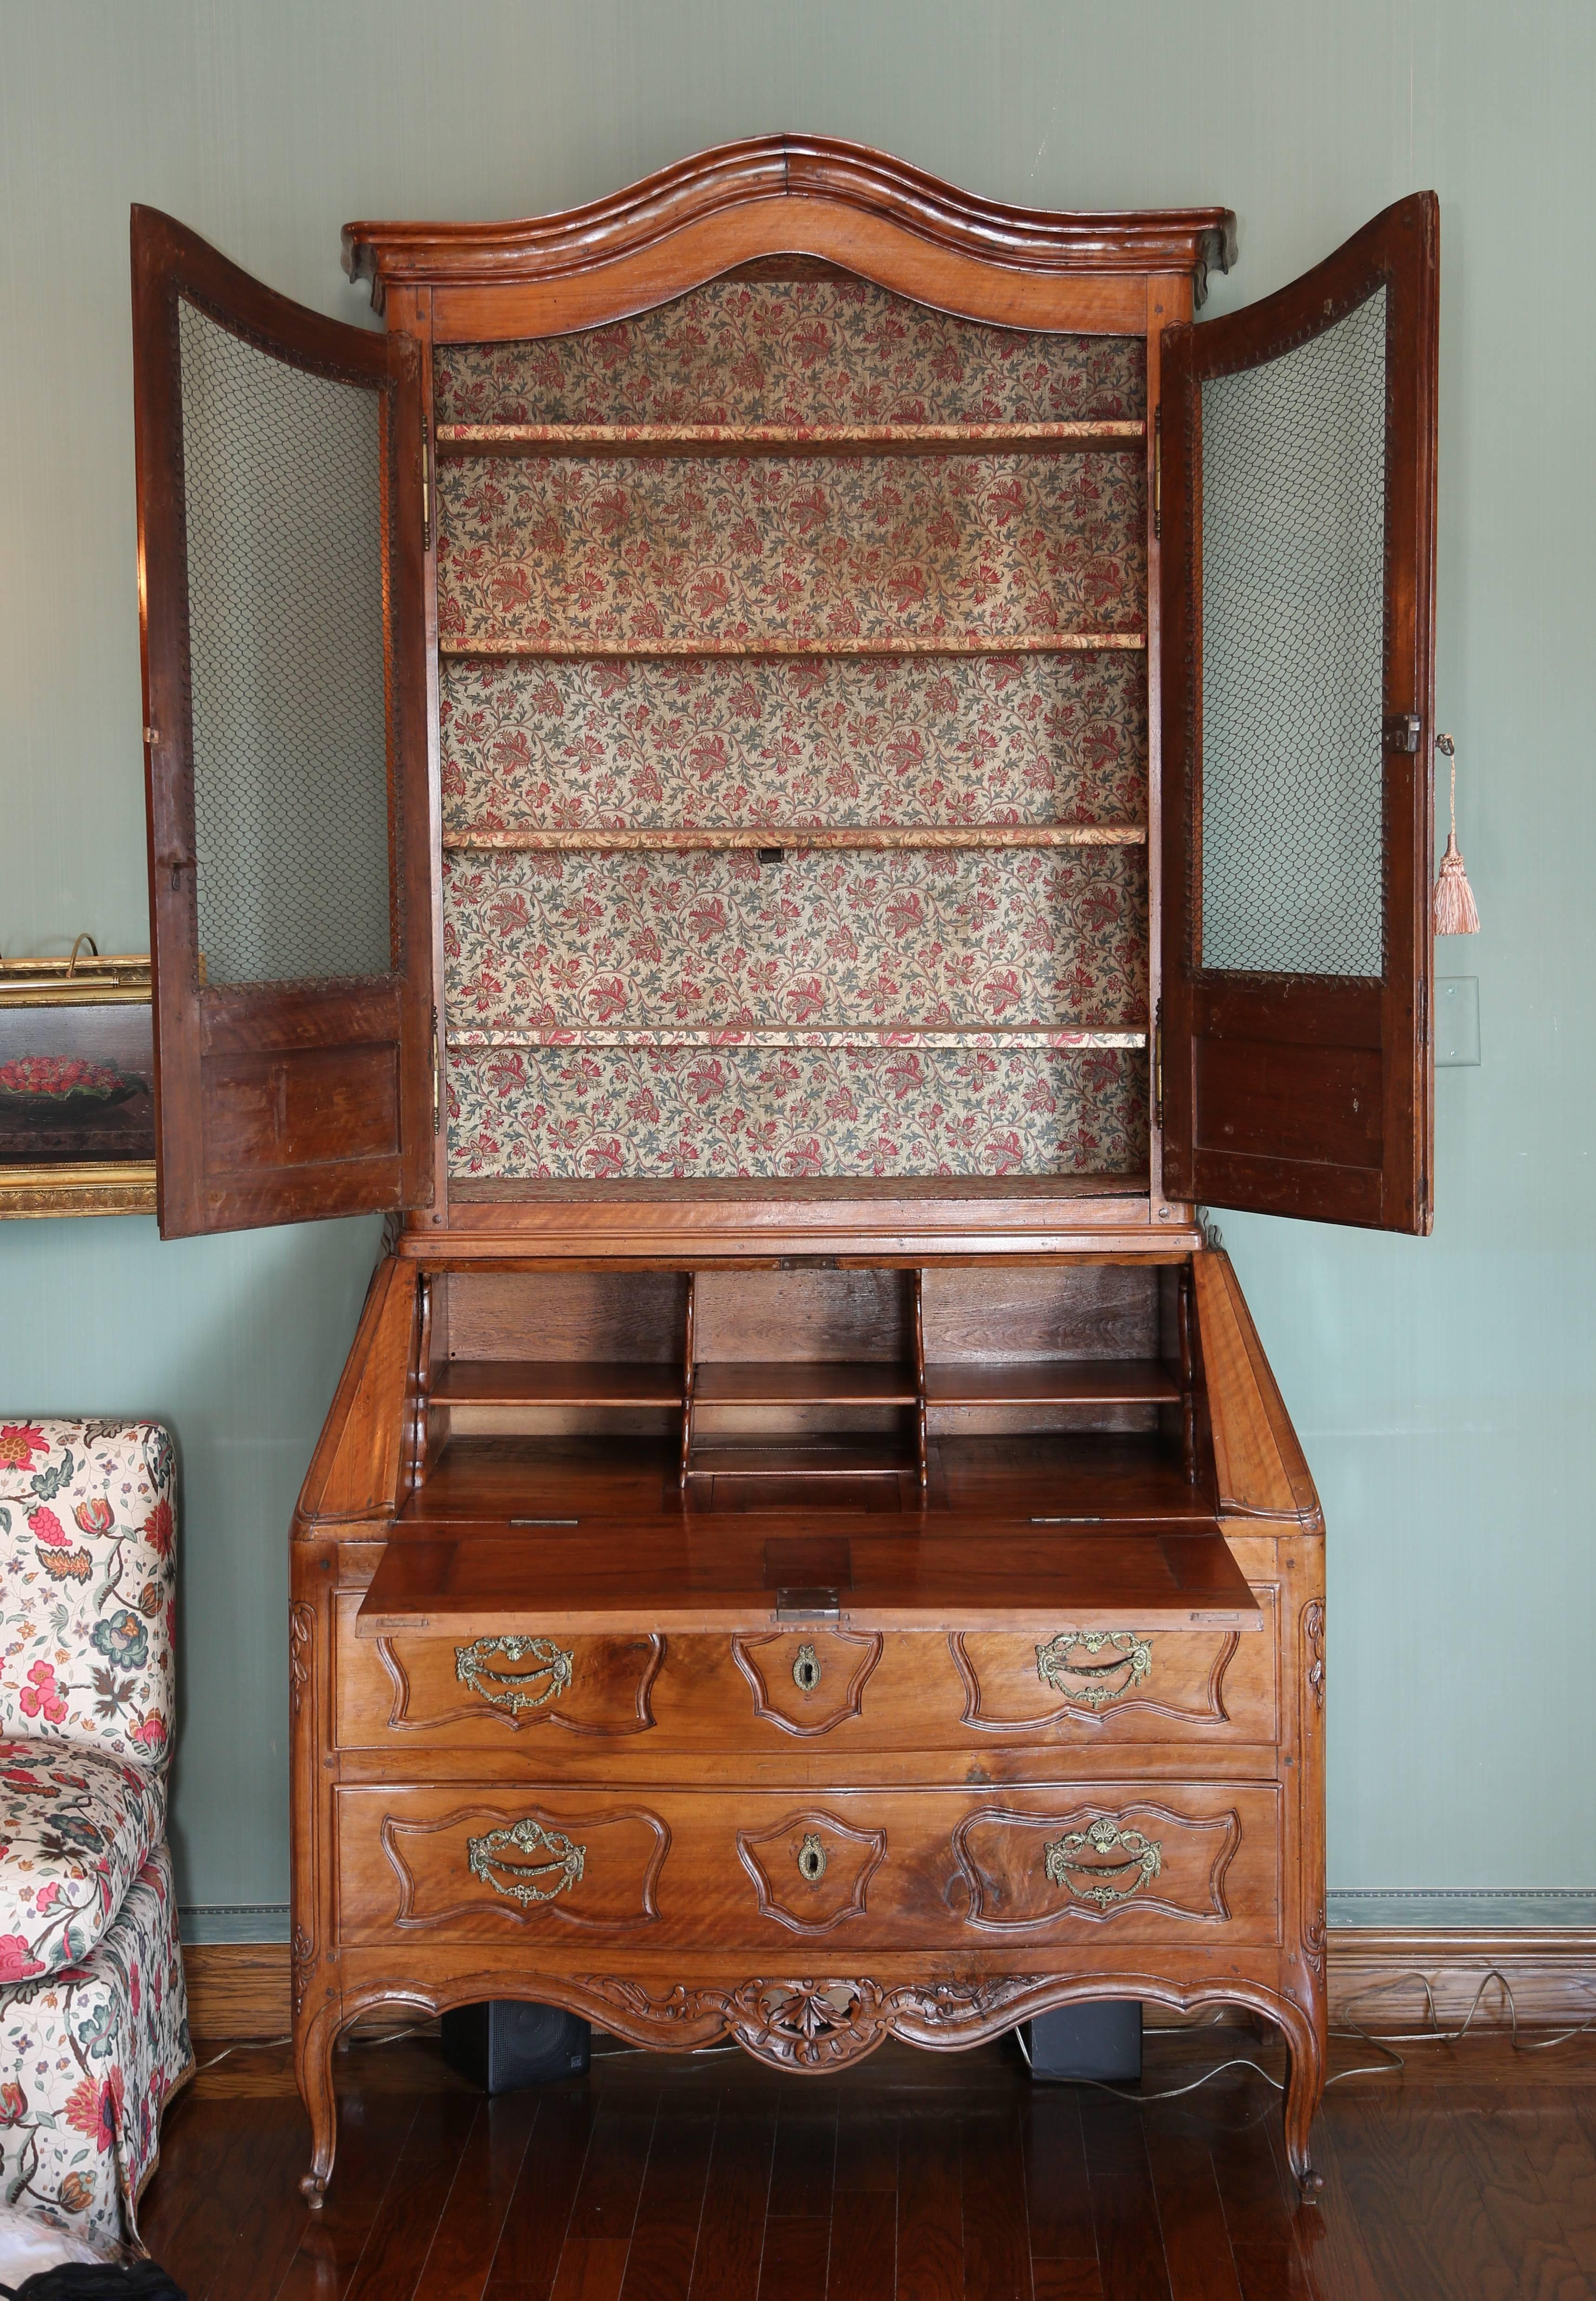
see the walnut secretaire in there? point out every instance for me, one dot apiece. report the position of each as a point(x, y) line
point(788, 769)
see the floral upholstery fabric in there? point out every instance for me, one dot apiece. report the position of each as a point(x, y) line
point(88, 1584)
point(75, 1824)
point(88, 2057)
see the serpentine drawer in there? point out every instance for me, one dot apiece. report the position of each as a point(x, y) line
point(572, 1870)
point(826, 1688)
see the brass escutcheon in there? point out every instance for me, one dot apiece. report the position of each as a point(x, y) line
point(1097, 1880)
point(811, 1860)
point(1094, 1683)
point(515, 1690)
point(519, 1882)
point(806, 1669)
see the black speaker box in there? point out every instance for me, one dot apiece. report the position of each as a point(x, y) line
point(504, 2044)
point(1102, 2039)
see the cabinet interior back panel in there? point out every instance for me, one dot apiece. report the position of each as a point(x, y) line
point(731, 551)
point(650, 744)
point(598, 1114)
point(793, 351)
point(923, 938)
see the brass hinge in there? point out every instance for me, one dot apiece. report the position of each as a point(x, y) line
point(1158, 471)
point(1400, 731)
point(1424, 1011)
point(437, 1079)
point(426, 486)
point(1158, 1064)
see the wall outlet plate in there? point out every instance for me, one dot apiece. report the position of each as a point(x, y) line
point(1457, 1020)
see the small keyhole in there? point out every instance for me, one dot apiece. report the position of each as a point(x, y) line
point(806, 1671)
point(811, 1860)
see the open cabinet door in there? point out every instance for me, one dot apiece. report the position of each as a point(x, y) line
point(280, 552)
point(1299, 500)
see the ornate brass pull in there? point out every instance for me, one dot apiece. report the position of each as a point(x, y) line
point(564, 1865)
point(806, 1669)
point(1095, 1683)
point(811, 1860)
point(1109, 1882)
point(515, 1690)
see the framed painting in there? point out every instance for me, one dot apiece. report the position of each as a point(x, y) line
point(77, 1085)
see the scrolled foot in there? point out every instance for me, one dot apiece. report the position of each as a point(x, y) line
point(314, 2186)
point(1309, 2184)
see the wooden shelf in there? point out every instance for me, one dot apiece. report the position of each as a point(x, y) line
point(508, 650)
point(1063, 1038)
point(1053, 1381)
point(731, 439)
point(802, 1383)
point(789, 837)
point(831, 1457)
point(555, 1382)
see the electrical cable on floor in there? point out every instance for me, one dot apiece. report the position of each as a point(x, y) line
point(1394, 2063)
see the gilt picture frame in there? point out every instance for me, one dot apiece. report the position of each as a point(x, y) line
point(77, 1085)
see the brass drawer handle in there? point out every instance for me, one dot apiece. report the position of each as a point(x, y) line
point(806, 1669)
point(487, 1854)
point(1095, 1683)
point(1095, 1879)
point(811, 1860)
point(515, 1690)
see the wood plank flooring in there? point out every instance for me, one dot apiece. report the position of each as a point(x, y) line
point(915, 2176)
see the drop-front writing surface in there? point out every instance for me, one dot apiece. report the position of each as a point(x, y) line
point(802, 1483)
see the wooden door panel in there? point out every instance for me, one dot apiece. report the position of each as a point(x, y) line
point(278, 478)
point(1298, 599)
point(886, 1869)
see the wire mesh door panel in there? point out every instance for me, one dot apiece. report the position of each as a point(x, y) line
point(1294, 601)
point(283, 631)
point(283, 499)
point(1297, 696)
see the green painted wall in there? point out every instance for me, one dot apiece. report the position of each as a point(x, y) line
point(1444, 1390)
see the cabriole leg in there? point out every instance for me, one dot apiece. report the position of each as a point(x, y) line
point(1305, 2089)
point(314, 2045)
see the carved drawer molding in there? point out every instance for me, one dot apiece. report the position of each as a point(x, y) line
point(810, 1871)
point(807, 1681)
point(596, 1871)
point(1025, 1870)
point(1086, 1677)
point(584, 1686)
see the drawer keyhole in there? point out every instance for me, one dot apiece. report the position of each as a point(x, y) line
point(805, 1677)
point(811, 1857)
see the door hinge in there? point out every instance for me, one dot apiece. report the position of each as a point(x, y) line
point(1424, 1011)
point(426, 486)
point(437, 1079)
point(1158, 471)
point(1158, 1064)
point(1401, 732)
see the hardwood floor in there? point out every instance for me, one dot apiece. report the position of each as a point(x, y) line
point(915, 2176)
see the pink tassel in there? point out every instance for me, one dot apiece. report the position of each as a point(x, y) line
point(1452, 904)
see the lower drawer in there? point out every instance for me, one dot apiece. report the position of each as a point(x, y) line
point(909, 1868)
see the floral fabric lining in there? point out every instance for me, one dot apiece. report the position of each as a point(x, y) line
point(646, 744)
point(91, 2055)
point(793, 351)
point(838, 550)
point(935, 937)
point(603, 1114)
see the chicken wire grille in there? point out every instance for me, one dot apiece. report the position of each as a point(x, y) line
point(1293, 526)
point(283, 501)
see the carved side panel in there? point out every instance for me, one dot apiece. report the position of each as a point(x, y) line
point(810, 1871)
point(480, 1867)
point(807, 1681)
point(1089, 1865)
